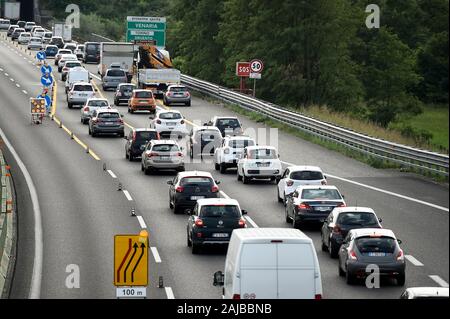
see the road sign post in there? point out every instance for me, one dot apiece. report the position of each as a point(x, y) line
point(242, 71)
point(147, 29)
point(256, 67)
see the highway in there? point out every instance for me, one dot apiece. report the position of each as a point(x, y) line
point(82, 209)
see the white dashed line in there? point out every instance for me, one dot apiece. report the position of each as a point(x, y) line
point(1, 70)
point(224, 195)
point(169, 293)
point(112, 174)
point(18, 85)
point(156, 255)
point(441, 282)
point(24, 92)
point(251, 221)
point(142, 222)
point(12, 80)
point(128, 196)
point(413, 261)
point(6, 74)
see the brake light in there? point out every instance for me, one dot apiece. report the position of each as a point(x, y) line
point(400, 256)
point(86, 109)
point(214, 189)
point(158, 137)
point(179, 154)
point(352, 255)
point(134, 136)
point(342, 205)
point(242, 223)
point(179, 189)
point(199, 222)
point(304, 206)
point(289, 183)
point(169, 94)
point(186, 94)
point(236, 296)
point(324, 182)
point(182, 122)
point(120, 121)
point(336, 229)
point(149, 155)
point(158, 122)
point(318, 297)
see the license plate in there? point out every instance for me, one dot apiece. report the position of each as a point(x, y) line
point(83, 95)
point(220, 235)
point(376, 254)
point(263, 165)
point(109, 123)
point(323, 209)
point(165, 158)
point(171, 123)
point(197, 197)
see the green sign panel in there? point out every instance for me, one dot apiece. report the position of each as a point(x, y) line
point(147, 29)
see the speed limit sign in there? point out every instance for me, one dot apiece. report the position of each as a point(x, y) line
point(256, 66)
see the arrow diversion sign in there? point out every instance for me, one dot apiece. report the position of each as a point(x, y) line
point(130, 260)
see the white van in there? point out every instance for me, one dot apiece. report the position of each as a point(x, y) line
point(270, 263)
point(77, 74)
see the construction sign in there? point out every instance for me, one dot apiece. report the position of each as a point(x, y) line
point(37, 106)
point(131, 260)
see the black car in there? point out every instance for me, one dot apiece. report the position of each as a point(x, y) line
point(123, 93)
point(188, 187)
point(341, 221)
point(312, 203)
point(203, 140)
point(212, 221)
point(17, 31)
point(227, 125)
point(58, 41)
point(21, 24)
point(51, 50)
point(11, 30)
point(91, 52)
point(137, 140)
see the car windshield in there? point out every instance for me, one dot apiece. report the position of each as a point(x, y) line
point(109, 115)
point(166, 148)
point(220, 211)
point(381, 244)
point(144, 95)
point(241, 143)
point(197, 180)
point(321, 194)
point(115, 73)
point(170, 116)
point(225, 123)
point(306, 175)
point(146, 136)
point(83, 88)
point(178, 89)
point(35, 40)
point(264, 153)
point(357, 219)
point(99, 103)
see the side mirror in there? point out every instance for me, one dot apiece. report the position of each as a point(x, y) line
point(278, 155)
point(205, 124)
point(217, 182)
point(218, 279)
point(325, 176)
point(399, 241)
point(188, 212)
point(343, 196)
point(170, 183)
point(96, 90)
point(181, 148)
point(244, 212)
point(380, 220)
point(122, 116)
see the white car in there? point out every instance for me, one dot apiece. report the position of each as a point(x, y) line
point(92, 105)
point(162, 154)
point(227, 155)
point(79, 93)
point(4, 24)
point(259, 162)
point(171, 122)
point(35, 43)
point(295, 176)
point(425, 293)
point(38, 33)
point(64, 59)
point(70, 46)
point(79, 52)
point(24, 38)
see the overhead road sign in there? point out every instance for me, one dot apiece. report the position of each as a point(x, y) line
point(130, 260)
point(146, 29)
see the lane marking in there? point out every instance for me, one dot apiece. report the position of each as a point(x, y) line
point(24, 92)
point(112, 174)
point(36, 279)
point(251, 221)
point(224, 195)
point(169, 293)
point(127, 195)
point(142, 222)
point(413, 261)
point(18, 85)
point(6, 74)
point(445, 209)
point(156, 255)
point(12, 80)
point(441, 282)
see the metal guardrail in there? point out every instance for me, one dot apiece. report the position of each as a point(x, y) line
point(403, 155)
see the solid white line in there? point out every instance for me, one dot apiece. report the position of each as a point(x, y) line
point(445, 209)
point(441, 282)
point(112, 174)
point(413, 261)
point(169, 293)
point(36, 279)
point(24, 92)
point(248, 218)
point(94, 76)
point(224, 195)
point(128, 196)
point(156, 255)
point(141, 222)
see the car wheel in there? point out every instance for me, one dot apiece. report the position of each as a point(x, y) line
point(401, 280)
point(245, 179)
point(324, 247)
point(189, 243)
point(181, 169)
point(147, 170)
point(223, 168)
point(131, 157)
point(333, 250)
point(350, 279)
point(69, 105)
point(188, 104)
point(93, 134)
point(296, 224)
point(90, 132)
point(280, 200)
point(82, 121)
point(175, 209)
point(170, 204)
point(287, 218)
point(216, 166)
point(341, 272)
point(191, 153)
point(195, 248)
point(129, 110)
point(116, 103)
point(239, 177)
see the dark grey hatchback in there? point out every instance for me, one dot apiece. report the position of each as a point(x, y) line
point(137, 140)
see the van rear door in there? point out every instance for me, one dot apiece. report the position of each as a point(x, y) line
point(296, 271)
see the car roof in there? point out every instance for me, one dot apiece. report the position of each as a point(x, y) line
point(114, 69)
point(363, 232)
point(25, 33)
point(82, 83)
point(97, 99)
point(428, 291)
point(107, 110)
point(168, 111)
point(35, 39)
point(163, 142)
point(206, 128)
point(352, 209)
point(50, 46)
point(144, 130)
point(256, 147)
point(79, 68)
point(302, 187)
point(73, 61)
point(194, 174)
point(262, 235)
point(225, 117)
point(217, 201)
point(299, 168)
point(177, 86)
point(142, 90)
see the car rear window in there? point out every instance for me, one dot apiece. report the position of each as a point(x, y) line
point(72, 64)
point(357, 219)
point(92, 48)
point(376, 245)
point(220, 211)
point(144, 95)
point(321, 194)
point(225, 123)
point(51, 50)
point(166, 148)
point(127, 88)
point(64, 52)
point(196, 180)
point(306, 175)
point(86, 88)
point(115, 73)
point(109, 115)
point(178, 89)
point(241, 143)
point(264, 153)
point(146, 136)
point(170, 116)
point(98, 103)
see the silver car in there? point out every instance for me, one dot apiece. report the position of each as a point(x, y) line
point(79, 93)
point(177, 94)
point(35, 43)
point(91, 106)
point(113, 77)
point(162, 154)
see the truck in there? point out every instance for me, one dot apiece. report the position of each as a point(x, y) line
point(62, 30)
point(155, 69)
point(12, 10)
point(117, 53)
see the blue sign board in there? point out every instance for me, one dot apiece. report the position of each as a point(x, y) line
point(46, 69)
point(41, 55)
point(46, 81)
